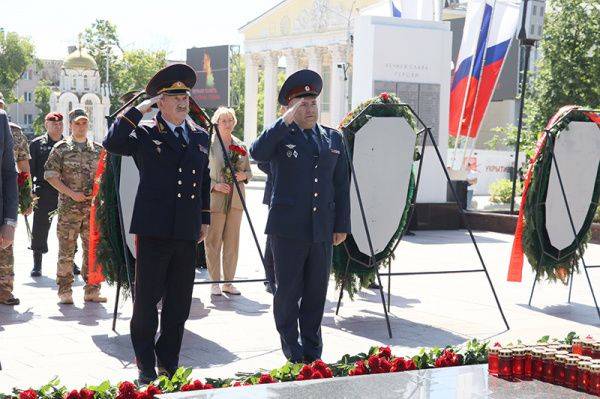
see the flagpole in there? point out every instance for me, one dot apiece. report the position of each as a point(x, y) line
point(485, 48)
point(462, 112)
point(495, 84)
point(526, 44)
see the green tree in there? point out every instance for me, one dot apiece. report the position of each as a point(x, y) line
point(101, 40)
point(237, 72)
point(17, 53)
point(42, 102)
point(134, 70)
point(570, 65)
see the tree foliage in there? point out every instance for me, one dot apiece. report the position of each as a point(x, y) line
point(42, 102)
point(17, 53)
point(570, 65)
point(127, 69)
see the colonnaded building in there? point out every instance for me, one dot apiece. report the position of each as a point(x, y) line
point(318, 34)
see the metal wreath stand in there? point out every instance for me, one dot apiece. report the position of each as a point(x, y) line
point(550, 147)
point(212, 128)
point(372, 262)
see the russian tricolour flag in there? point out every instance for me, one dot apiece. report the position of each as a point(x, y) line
point(490, 25)
point(412, 9)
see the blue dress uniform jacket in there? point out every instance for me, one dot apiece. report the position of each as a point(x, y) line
point(310, 199)
point(173, 197)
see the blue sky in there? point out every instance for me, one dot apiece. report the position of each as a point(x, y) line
point(173, 26)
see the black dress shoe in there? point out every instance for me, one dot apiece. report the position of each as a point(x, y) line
point(76, 270)
point(374, 286)
point(146, 377)
point(36, 272)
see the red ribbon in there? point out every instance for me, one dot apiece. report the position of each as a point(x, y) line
point(95, 274)
point(515, 267)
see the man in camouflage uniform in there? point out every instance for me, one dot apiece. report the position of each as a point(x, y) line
point(71, 168)
point(21, 154)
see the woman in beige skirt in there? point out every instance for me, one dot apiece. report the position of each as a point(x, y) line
point(225, 205)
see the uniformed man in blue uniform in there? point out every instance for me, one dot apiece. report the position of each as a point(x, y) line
point(309, 211)
point(170, 215)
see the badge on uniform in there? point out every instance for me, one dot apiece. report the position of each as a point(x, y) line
point(157, 143)
point(202, 149)
point(291, 153)
point(335, 151)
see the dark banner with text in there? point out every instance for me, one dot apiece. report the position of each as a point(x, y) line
point(212, 72)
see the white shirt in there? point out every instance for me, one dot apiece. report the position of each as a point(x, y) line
point(182, 125)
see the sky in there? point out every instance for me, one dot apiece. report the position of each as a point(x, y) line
point(173, 26)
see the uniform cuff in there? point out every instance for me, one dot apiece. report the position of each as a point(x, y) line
point(50, 174)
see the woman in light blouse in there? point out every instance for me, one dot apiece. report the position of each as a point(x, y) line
point(225, 205)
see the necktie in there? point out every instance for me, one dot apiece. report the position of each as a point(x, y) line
point(179, 131)
point(309, 134)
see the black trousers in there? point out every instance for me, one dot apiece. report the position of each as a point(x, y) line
point(47, 202)
point(302, 273)
point(269, 264)
point(164, 269)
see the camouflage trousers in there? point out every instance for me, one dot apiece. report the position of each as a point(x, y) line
point(73, 222)
point(7, 273)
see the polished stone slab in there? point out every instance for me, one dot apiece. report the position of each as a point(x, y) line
point(467, 382)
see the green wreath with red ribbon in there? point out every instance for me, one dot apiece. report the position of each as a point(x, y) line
point(350, 268)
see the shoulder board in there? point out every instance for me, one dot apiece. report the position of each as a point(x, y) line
point(148, 123)
point(61, 143)
point(38, 138)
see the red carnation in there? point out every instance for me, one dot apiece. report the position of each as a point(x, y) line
point(409, 365)
point(153, 390)
point(385, 352)
point(74, 394)
point(28, 394)
point(188, 387)
point(306, 371)
point(22, 178)
point(198, 384)
point(316, 375)
point(266, 379)
point(397, 365)
point(239, 149)
point(208, 386)
point(85, 393)
point(384, 365)
point(328, 373)
point(142, 395)
point(385, 97)
point(126, 387)
point(237, 384)
point(374, 364)
point(300, 377)
point(359, 369)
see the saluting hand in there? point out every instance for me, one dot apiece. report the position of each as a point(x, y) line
point(290, 114)
point(146, 105)
point(339, 238)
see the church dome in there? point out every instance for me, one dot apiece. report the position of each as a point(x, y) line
point(80, 59)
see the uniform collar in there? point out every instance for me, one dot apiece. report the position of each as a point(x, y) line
point(88, 143)
point(173, 126)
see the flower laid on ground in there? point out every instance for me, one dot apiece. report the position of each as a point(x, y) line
point(378, 360)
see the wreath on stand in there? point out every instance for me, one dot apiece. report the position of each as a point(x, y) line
point(351, 268)
point(531, 237)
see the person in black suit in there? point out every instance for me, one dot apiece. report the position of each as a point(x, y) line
point(309, 211)
point(171, 213)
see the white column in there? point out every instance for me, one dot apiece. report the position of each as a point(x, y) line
point(315, 63)
point(271, 60)
point(292, 63)
point(337, 89)
point(250, 98)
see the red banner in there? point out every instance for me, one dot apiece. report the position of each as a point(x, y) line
point(95, 275)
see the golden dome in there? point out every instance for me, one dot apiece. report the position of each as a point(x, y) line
point(80, 59)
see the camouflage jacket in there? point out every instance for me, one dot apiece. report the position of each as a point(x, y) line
point(20, 146)
point(76, 168)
